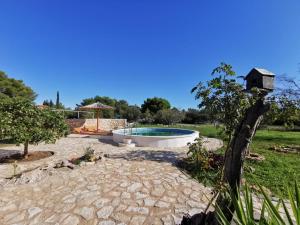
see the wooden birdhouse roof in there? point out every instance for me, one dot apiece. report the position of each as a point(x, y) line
point(260, 71)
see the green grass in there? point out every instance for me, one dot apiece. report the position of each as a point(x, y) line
point(278, 170)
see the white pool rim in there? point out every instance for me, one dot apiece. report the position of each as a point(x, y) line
point(179, 140)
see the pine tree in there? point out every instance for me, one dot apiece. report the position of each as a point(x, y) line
point(51, 104)
point(57, 100)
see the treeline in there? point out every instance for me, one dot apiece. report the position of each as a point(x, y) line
point(159, 110)
point(153, 110)
point(285, 110)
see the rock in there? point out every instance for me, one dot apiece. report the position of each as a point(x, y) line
point(162, 204)
point(71, 220)
point(33, 211)
point(125, 195)
point(134, 187)
point(137, 220)
point(149, 202)
point(86, 212)
point(158, 192)
point(105, 212)
point(107, 222)
point(140, 195)
point(101, 202)
point(141, 210)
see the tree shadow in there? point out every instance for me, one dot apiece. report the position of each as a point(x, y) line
point(4, 153)
point(108, 142)
point(151, 155)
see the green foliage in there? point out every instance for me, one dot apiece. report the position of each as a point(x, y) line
point(24, 123)
point(202, 164)
point(147, 117)
point(89, 154)
point(223, 98)
point(198, 153)
point(284, 111)
point(132, 113)
point(10, 87)
point(269, 213)
point(57, 104)
point(277, 170)
point(169, 116)
point(195, 116)
point(155, 104)
point(121, 108)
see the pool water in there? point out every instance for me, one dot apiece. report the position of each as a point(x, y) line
point(156, 132)
point(156, 137)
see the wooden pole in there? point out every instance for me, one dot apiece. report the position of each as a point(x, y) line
point(97, 120)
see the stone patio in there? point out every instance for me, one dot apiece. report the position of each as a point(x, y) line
point(129, 186)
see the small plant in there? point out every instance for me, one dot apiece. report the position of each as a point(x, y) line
point(89, 154)
point(205, 165)
point(15, 168)
point(269, 213)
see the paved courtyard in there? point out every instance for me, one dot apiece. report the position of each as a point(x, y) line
point(129, 186)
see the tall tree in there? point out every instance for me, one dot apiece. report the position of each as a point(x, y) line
point(240, 114)
point(57, 104)
point(155, 104)
point(10, 87)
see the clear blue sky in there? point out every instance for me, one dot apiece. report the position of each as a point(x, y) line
point(137, 49)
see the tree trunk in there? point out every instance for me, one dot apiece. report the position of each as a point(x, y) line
point(26, 144)
point(235, 154)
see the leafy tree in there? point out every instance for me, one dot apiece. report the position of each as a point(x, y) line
point(147, 117)
point(195, 116)
point(10, 87)
point(169, 116)
point(240, 114)
point(24, 123)
point(285, 108)
point(155, 104)
point(133, 113)
point(121, 108)
point(223, 98)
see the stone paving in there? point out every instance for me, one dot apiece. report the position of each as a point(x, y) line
point(130, 186)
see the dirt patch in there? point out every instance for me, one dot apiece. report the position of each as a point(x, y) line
point(286, 149)
point(32, 156)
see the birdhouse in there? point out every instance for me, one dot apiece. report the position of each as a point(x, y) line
point(260, 78)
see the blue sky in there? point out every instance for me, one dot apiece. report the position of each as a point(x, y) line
point(137, 49)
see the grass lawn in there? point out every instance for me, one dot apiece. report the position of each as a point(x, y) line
point(278, 170)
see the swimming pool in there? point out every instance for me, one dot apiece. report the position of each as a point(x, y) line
point(156, 137)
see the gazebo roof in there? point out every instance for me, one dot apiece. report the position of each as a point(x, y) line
point(96, 105)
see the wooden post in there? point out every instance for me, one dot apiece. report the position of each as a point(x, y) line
point(97, 120)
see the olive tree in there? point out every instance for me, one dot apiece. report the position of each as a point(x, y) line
point(223, 98)
point(24, 123)
point(240, 113)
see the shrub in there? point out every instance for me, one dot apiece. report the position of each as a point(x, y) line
point(24, 123)
point(169, 116)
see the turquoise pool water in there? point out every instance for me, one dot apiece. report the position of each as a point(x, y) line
point(156, 132)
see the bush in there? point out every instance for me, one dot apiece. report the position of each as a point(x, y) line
point(169, 116)
point(24, 123)
point(195, 116)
